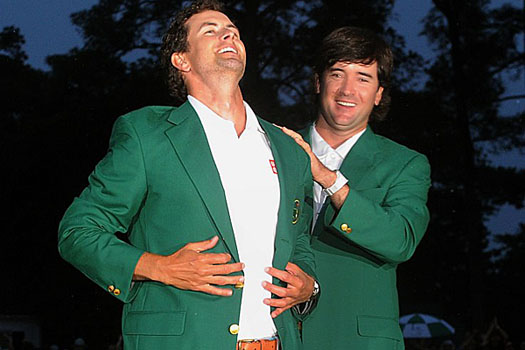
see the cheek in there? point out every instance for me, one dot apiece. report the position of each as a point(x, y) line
point(328, 90)
point(370, 97)
point(242, 47)
point(325, 98)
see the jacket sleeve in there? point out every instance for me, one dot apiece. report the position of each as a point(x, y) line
point(387, 222)
point(107, 205)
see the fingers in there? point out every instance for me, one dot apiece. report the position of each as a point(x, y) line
point(190, 268)
point(279, 274)
point(297, 137)
point(294, 283)
point(299, 287)
point(222, 269)
point(223, 292)
point(214, 258)
point(225, 280)
point(203, 245)
point(293, 269)
point(280, 305)
point(279, 291)
point(290, 133)
point(278, 311)
point(299, 140)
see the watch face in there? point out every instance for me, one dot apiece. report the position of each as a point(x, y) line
point(316, 289)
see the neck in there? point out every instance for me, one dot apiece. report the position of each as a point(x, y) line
point(224, 98)
point(334, 137)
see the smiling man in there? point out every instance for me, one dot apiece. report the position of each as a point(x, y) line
point(369, 197)
point(212, 200)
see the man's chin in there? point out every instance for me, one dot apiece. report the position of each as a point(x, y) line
point(232, 64)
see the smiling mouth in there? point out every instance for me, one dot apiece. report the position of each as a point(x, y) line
point(228, 49)
point(346, 104)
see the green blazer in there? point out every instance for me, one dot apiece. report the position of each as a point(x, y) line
point(159, 184)
point(386, 216)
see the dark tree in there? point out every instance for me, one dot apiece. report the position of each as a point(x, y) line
point(11, 43)
point(459, 118)
point(507, 280)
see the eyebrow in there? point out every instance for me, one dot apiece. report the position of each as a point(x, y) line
point(366, 75)
point(214, 24)
point(336, 69)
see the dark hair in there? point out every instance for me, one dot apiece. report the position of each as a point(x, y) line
point(176, 40)
point(358, 45)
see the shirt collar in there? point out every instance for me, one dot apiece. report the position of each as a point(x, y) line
point(321, 148)
point(210, 117)
point(251, 120)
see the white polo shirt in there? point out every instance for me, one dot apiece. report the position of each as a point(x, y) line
point(332, 159)
point(249, 179)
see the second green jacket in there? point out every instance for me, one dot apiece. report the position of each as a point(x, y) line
point(358, 248)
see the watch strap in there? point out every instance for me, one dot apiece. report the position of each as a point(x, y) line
point(340, 181)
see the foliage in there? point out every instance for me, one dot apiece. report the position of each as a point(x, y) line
point(474, 44)
point(11, 42)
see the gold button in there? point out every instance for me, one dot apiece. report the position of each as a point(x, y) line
point(344, 227)
point(239, 285)
point(111, 288)
point(116, 291)
point(234, 329)
point(348, 230)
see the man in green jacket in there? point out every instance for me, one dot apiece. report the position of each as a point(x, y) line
point(370, 197)
point(212, 200)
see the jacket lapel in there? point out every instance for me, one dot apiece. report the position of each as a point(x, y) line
point(191, 145)
point(357, 165)
point(361, 160)
point(318, 228)
point(283, 244)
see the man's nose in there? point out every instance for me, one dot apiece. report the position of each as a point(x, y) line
point(227, 34)
point(347, 87)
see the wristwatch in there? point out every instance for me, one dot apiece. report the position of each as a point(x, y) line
point(340, 181)
point(316, 290)
point(306, 307)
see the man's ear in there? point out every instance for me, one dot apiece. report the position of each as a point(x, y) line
point(317, 83)
point(178, 60)
point(379, 96)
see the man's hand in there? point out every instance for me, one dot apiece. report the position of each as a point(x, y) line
point(191, 269)
point(321, 174)
point(299, 289)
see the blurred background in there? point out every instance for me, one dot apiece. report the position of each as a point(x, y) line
point(69, 68)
